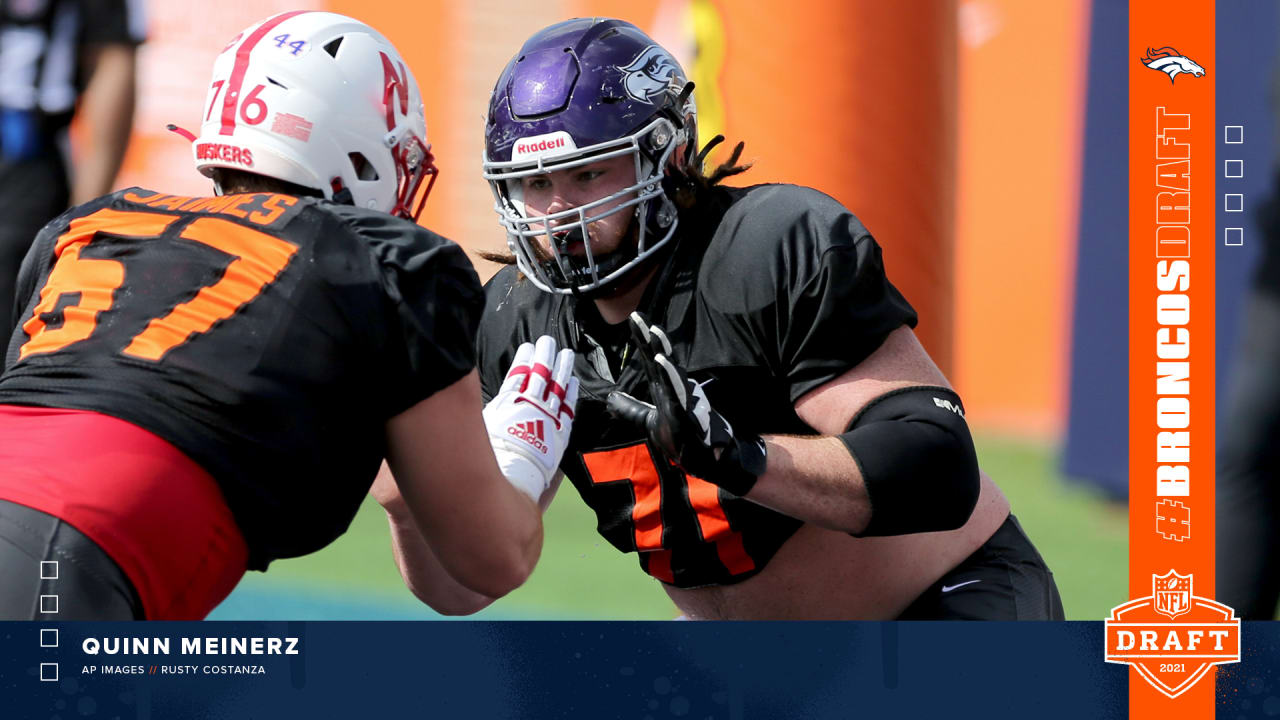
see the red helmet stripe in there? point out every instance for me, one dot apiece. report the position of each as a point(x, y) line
point(232, 97)
point(395, 87)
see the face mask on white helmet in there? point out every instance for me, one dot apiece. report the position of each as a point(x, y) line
point(323, 101)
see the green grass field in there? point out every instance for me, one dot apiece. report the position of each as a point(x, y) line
point(580, 576)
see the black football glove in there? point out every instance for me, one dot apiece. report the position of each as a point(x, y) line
point(681, 423)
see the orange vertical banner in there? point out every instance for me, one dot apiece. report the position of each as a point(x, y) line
point(1172, 233)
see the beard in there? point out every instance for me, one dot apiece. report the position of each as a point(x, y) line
point(574, 271)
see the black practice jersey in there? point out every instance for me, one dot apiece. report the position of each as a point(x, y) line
point(777, 291)
point(268, 337)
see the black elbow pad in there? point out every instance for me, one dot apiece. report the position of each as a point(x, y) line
point(917, 460)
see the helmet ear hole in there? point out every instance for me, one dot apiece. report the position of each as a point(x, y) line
point(363, 168)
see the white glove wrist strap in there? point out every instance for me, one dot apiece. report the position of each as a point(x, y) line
point(524, 474)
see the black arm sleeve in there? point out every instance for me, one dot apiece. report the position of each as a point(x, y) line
point(917, 460)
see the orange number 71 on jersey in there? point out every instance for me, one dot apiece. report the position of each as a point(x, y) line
point(259, 258)
point(634, 464)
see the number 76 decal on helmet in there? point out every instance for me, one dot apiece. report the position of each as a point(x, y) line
point(291, 99)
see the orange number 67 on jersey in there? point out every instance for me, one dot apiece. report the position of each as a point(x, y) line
point(259, 258)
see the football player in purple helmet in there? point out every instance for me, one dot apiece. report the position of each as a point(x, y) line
point(757, 420)
point(581, 99)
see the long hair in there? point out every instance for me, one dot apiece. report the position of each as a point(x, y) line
point(691, 189)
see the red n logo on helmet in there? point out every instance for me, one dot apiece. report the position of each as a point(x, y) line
point(397, 87)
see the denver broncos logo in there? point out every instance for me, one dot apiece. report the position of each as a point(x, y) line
point(1170, 62)
point(649, 74)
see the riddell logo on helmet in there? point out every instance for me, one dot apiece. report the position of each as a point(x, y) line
point(225, 153)
point(530, 432)
point(540, 145)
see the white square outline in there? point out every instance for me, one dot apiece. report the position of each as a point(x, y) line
point(1228, 232)
point(54, 611)
point(54, 631)
point(1226, 168)
point(1226, 134)
point(52, 564)
point(55, 672)
point(1226, 202)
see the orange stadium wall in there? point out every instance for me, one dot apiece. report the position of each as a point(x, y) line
point(858, 100)
point(951, 129)
point(1022, 101)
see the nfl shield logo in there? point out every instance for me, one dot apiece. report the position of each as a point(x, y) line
point(1172, 593)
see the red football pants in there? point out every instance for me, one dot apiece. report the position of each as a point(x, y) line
point(159, 516)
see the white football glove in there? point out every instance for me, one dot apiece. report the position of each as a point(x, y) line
point(530, 418)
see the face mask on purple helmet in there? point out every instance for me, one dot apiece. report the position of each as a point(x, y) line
point(650, 149)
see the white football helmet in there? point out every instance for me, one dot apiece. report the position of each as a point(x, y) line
point(323, 101)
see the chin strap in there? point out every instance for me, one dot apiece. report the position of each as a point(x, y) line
point(341, 194)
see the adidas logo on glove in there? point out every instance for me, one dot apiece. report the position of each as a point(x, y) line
point(530, 432)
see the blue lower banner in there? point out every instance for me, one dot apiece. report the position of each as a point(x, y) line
point(632, 670)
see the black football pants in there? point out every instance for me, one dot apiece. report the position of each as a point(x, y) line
point(85, 583)
point(1005, 579)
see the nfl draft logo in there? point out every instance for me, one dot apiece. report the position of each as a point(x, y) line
point(1172, 656)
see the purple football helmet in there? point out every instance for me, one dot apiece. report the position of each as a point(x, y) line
point(579, 92)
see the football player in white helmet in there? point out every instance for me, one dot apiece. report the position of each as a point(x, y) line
point(323, 102)
point(201, 385)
